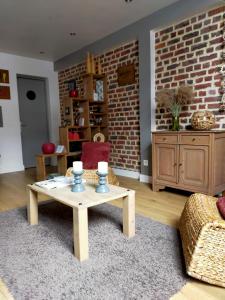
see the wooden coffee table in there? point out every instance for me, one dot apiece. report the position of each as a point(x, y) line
point(80, 202)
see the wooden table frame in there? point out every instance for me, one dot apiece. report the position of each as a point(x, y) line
point(80, 215)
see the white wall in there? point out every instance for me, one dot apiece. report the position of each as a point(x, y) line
point(10, 139)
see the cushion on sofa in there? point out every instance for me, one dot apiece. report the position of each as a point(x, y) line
point(221, 206)
point(93, 152)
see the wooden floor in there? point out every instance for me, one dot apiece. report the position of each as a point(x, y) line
point(164, 206)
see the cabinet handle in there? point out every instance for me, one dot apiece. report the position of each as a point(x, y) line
point(193, 139)
point(164, 139)
point(180, 164)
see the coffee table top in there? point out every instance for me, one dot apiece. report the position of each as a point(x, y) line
point(87, 198)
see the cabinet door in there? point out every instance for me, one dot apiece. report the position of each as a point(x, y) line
point(194, 167)
point(166, 162)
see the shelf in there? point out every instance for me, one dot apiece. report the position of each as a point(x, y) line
point(75, 127)
point(91, 102)
point(95, 76)
point(78, 127)
point(96, 126)
point(73, 153)
point(78, 99)
point(80, 140)
point(52, 154)
point(98, 114)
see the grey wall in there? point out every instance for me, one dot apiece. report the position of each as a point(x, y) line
point(141, 32)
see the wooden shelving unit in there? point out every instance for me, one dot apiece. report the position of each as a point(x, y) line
point(85, 116)
point(74, 146)
point(74, 110)
point(93, 83)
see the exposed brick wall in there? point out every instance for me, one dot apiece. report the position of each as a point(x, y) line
point(124, 131)
point(189, 52)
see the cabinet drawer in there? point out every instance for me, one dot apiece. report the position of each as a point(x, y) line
point(166, 139)
point(194, 139)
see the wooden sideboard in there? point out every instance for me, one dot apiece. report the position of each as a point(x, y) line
point(189, 160)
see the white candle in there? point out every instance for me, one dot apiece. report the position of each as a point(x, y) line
point(77, 166)
point(103, 167)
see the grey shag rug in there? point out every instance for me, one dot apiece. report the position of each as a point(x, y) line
point(37, 262)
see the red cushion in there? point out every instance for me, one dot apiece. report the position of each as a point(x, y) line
point(221, 206)
point(93, 152)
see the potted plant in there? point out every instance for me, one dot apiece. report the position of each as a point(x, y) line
point(173, 100)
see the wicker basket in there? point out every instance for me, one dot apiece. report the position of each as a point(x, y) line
point(203, 239)
point(203, 120)
point(92, 177)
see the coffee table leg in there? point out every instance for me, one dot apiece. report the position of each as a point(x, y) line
point(80, 233)
point(129, 214)
point(32, 208)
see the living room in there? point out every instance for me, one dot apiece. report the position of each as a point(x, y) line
point(168, 44)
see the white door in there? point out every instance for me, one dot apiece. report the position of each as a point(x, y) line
point(33, 117)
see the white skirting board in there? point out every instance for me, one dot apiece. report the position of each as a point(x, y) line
point(145, 178)
point(126, 173)
point(132, 174)
point(11, 169)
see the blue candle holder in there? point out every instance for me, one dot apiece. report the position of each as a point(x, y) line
point(102, 187)
point(78, 185)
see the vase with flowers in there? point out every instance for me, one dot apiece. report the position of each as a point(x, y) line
point(173, 101)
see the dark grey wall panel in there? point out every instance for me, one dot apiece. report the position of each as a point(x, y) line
point(145, 97)
point(1, 117)
point(141, 31)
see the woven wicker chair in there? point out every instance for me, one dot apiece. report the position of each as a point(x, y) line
point(92, 177)
point(203, 239)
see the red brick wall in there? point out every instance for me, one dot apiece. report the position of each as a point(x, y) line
point(189, 52)
point(124, 131)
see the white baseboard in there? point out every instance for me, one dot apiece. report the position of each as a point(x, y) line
point(12, 169)
point(145, 178)
point(126, 173)
point(133, 174)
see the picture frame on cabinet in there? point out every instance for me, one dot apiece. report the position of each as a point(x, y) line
point(60, 149)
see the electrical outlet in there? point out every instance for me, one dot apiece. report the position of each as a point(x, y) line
point(145, 162)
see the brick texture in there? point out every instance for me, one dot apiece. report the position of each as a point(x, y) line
point(189, 52)
point(124, 131)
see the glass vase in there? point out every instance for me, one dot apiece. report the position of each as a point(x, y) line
point(175, 123)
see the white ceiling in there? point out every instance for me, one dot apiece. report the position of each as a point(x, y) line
point(28, 27)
